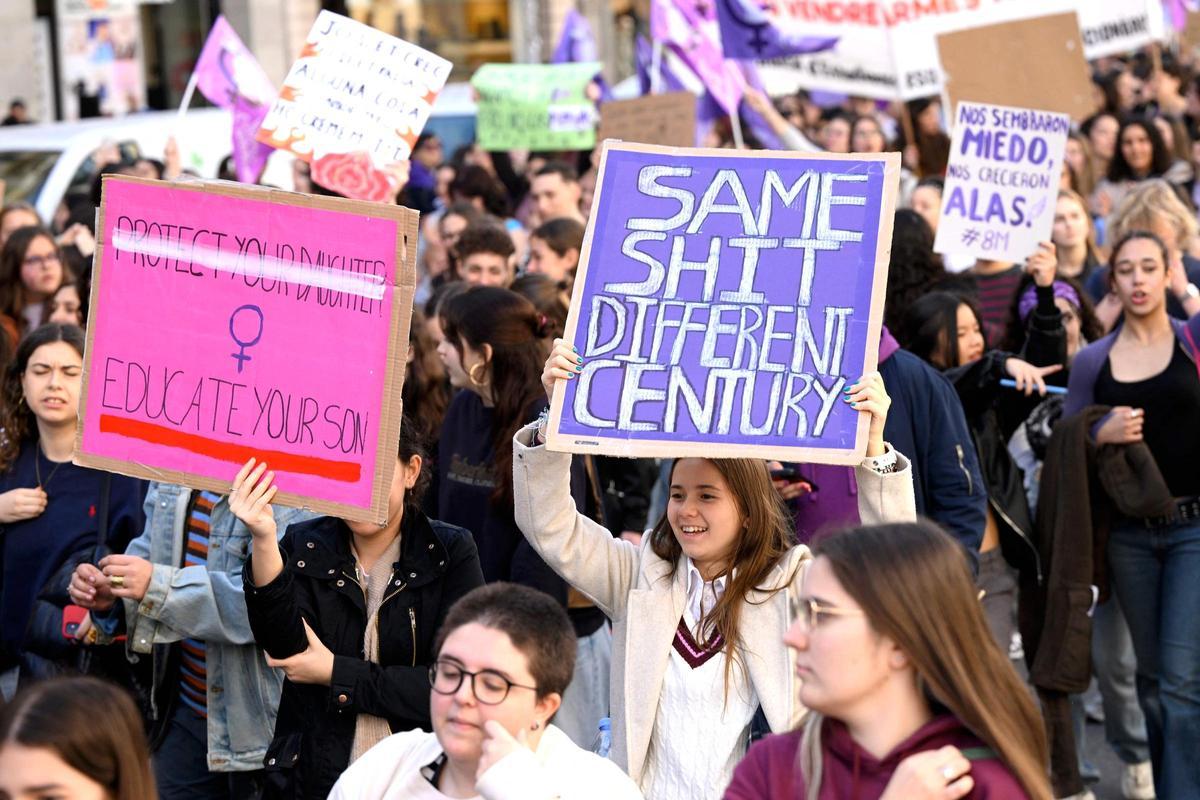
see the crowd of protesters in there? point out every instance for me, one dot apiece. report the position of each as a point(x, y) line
point(925, 624)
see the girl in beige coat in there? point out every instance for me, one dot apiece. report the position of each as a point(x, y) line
point(700, 609)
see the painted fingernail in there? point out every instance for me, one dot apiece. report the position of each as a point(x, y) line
point(574, 349)
point(854, 405)
point(579, 361)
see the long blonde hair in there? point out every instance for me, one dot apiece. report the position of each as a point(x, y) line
point(913, 583)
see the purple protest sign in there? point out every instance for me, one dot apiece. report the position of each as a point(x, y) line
point(723, 301)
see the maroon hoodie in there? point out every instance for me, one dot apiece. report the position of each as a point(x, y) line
point(769, 770)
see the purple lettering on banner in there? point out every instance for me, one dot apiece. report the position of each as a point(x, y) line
point(724, 302)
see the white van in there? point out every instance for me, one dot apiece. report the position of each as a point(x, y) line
point(42, 163)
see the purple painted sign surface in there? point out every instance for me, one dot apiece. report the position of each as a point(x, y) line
point(727, 298)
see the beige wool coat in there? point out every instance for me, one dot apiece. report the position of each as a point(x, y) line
point(645, 601)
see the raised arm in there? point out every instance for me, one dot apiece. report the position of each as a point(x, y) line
point(579, 549)
point(885, 486)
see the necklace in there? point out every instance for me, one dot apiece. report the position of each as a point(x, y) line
point(37, 468)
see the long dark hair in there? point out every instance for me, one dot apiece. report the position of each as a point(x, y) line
point(914, 585)
point(413, 443)
point(16, 418)
point(1160, 160)
point(13, 295)
point(509, 324)
point(426, 393)
point(60, 715)
point(914, 267)
point(930, 326)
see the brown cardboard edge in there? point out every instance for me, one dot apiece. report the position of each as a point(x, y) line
point(665, 448)
point(404, 288)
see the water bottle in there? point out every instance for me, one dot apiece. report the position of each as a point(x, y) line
point(603, 742)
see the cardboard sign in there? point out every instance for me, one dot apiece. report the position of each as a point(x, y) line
point(231, 321)
point(1048, 46)
point(353, 103)
point(1110, 27)
point(1189, 37)
point(666, 119)
point(535, 106)
point(724, 300)
point(1002, 182)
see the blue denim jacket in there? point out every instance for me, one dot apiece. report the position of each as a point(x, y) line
point(206, 603)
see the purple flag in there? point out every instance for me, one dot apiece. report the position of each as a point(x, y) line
point(577, 45)
point(690, 29)
point(249, 155)
point(229, 75)
point(748, 32)
point(757, 124)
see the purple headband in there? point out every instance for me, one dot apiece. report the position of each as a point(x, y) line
point(1029, 298)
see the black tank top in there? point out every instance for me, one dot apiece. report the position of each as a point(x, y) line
point(1171, 400)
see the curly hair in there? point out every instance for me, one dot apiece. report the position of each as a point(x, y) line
point(16, 418)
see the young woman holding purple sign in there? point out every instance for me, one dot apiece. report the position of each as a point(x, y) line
point(1146, 370)
point(699, 608)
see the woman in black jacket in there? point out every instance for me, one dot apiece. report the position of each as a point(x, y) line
point(946, 330)
point(349, 611)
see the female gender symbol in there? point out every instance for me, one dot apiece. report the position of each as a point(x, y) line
point(241, 356)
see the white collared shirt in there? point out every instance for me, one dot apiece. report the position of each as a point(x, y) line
point(701, 595)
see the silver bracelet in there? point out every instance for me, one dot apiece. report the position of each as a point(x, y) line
point(542, 420)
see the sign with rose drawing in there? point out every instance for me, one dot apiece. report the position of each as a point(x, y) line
point(353, 105)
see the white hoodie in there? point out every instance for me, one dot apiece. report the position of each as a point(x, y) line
point(557, 770)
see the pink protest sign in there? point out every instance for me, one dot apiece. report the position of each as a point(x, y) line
point(229, 322)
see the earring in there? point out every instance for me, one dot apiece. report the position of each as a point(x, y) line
point(471, 374)
point(535, 726)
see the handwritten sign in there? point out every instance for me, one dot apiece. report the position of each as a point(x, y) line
point(1002, 181)
point(231, 321)
point(354, 102)
point(535, 106)
point(1049, 46)
point(667, 119)
point(723, 302)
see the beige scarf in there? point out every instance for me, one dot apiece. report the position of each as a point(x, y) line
point(370, 730)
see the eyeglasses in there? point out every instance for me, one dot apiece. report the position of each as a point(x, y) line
point(813, 613)
point(40, 261)
point(490, 687)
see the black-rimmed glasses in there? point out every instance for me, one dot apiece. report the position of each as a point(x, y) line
point(490, 687)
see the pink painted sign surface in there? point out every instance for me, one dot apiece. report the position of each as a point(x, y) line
point(225, 324)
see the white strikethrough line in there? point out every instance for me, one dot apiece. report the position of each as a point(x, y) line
point(264, 266)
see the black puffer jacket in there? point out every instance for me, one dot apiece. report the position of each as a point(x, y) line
point(315, 728)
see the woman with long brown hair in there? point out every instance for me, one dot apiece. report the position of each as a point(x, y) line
point(53, 745)
point(908, 695)
point(31, 270)
point(698, 608)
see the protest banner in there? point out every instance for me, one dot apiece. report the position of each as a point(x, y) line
point(230, 322)
point(535, 106)
point(723, 301)
point(1048, 46)
point(859, 64)
point(1110, 27)
point(229, 75)
point(1002, 181)
point(354, 103)
point(666, 119)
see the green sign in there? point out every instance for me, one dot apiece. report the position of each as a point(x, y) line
point(535, 106)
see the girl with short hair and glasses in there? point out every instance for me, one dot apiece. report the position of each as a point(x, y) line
point(908, 697)
point(31, 270)
point(349, 611)
point(505, 655)
point(698, 607)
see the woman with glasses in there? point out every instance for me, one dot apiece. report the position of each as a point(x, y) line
point(505, 654)
point(349, 611)
point(696, 609)
point(908, 696)
point(31, 271)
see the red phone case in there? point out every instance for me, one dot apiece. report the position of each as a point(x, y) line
point(72, 617)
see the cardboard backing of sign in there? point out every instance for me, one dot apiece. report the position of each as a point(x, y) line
point(1032, 63)
point(1189, 37)
point(397, 347)
point(665, 119)
point(667, 447)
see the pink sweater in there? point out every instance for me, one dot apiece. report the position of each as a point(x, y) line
point(769, 771)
